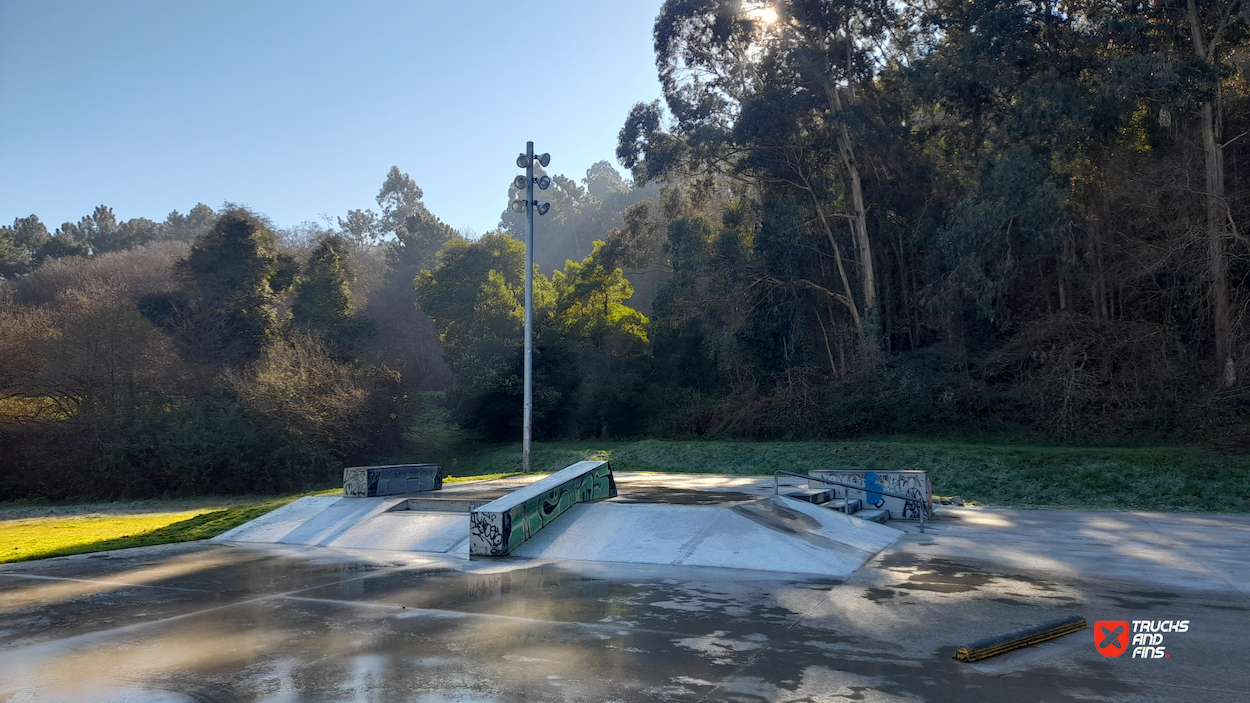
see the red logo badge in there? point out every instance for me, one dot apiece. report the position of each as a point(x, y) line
point(1111, 637)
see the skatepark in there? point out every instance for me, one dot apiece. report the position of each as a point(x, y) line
point(742, 523)
point(678, 587)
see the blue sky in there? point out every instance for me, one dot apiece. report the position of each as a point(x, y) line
point(298, 109)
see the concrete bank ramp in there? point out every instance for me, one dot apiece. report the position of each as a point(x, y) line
point(357, 523)
point(765, 534)
point(770, 534)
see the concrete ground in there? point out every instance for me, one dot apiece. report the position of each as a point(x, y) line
point(212, 622)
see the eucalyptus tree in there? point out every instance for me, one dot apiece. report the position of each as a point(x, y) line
point(783, 99)
point(1218, 30)
point(581, 214)
point(1181, 64)
point(362, 226)
point(417, 233)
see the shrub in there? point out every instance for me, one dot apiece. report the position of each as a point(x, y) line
point(210, 445)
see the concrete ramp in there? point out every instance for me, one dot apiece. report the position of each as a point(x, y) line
point(358, 523)
point(771, 534)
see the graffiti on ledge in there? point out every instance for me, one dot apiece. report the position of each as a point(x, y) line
point(498, 533)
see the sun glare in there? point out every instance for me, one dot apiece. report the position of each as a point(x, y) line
point(767, 15)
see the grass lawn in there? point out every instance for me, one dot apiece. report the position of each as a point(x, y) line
point(40, 537)
point(1154, 478)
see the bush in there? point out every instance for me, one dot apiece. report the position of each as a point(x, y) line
point(210, 445)
point(351, 409)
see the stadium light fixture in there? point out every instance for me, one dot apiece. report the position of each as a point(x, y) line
point(528, 206)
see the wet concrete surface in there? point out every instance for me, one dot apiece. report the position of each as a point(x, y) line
point(212, 622)
point(203, 622)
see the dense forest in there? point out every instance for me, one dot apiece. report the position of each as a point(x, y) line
point(844, 218)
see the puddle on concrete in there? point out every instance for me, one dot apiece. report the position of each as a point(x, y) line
point(878, 595)
point(945, 576)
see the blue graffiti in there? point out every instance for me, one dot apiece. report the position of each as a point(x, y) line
point(870, 482)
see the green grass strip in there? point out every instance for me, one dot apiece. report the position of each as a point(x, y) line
point(60, 535)
point(1117, 478)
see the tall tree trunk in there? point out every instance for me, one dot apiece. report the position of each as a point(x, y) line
point(870, 331)
point(1216, 207)
point(1098, 288)
point(847, 299)
point(1216, 219)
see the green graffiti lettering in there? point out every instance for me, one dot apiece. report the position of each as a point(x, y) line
point(513, 528)
point(585, 489)
point(599, 490)
point(533, 517)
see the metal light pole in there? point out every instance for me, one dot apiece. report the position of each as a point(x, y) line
point(528, 206)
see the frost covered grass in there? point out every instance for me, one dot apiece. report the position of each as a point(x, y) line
point(1153, 478)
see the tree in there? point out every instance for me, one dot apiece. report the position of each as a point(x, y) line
point(1214, 27)
point(448, 293)
point(581, 214)
point(187, 228)
point(99, 228)
point(590, 350)
point(473, 296)
point(362, 226)
point(399, 198)
point(590, 301)
point(418, 234)
point(607, 342)
point(323, 298)
point(639, 244)
point(416, 243)
point(68, 240)
point(322, 400)
point(775, 106)
point(20, 245)
point(13, 258)
point(134, 232)
point(225, 311)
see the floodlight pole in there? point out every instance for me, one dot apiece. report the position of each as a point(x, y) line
point(529, 308)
